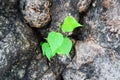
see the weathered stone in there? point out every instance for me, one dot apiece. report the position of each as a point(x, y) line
point(106, 68)
point(83, 5)
point(36, 12)
point(37, 68)
point(103, 67)
point(17, 43)
point(49, 75)
point(105, 23)
point(72, 74)
point(97, 57)
point(85, 52)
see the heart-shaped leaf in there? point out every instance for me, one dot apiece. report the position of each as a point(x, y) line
point(55, 40)
point(69, 24)
point(47, 51)
point(65, 48)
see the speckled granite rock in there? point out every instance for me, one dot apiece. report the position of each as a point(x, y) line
point(37, 68)
point(83, 5)
point(17, 43)
point(49, 75)
point(36, 12)
point(85, 52)
point(97, 57)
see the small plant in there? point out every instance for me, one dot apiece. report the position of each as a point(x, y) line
point(56, 43)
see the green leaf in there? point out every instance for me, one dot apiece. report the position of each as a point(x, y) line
point(41, 43)
point(47, 51)
point(69, 24)
point(55, 40)
point(65, 48)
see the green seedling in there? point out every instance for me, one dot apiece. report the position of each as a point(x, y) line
point(56, 43)
point(69, 24)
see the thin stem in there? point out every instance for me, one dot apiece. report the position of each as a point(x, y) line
point(59, 26)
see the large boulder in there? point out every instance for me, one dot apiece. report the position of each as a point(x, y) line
point(97, 57)
point(17, 42)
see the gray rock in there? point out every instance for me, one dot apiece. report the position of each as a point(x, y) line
point(103, 67)
point(17, 43)
point(83, 5)
point(106, 68)
point(37, 68)
point(36, 12)
point(105, 23)
point(97, 57)
point(49, 75)
point(72, 74)
point(85, 53)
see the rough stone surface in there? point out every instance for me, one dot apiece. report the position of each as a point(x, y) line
point(49, 75)
point(36, 12)
point(72, 74)
point(83, 5)
point(97, 57)
point(85, 53)
point(17, 42)
point(105, 23)
point(106, 68)
point(37, 68)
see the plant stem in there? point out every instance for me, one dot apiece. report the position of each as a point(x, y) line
point(59, 26)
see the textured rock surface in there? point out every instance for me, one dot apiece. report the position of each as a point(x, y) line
point(85, 53)
point(37, 68)
point(97, 58)
point(72, 74)
point(36, 12)
point(49, 75)
point(17, 44)
point(106, 68)
point(83, 5)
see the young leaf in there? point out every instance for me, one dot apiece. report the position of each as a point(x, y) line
point(41, 43)
point(55, 40)
point(65, 48)
point(47, 51)
point(69, 24)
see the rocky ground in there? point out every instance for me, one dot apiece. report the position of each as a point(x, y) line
point(94, 56)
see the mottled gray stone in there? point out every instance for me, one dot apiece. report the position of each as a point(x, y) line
point(85, 52)
point(17, 42)
point(72, 74)
point(105, 23)
point(36, 12)
point(83, 5)
point(106, 68)
point(101, 49)
point(49, 75)
point(37, 68)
